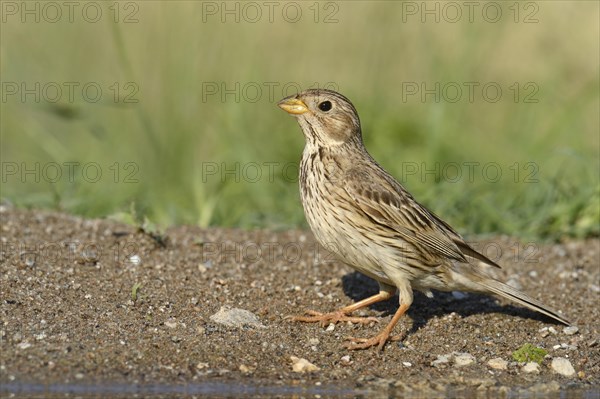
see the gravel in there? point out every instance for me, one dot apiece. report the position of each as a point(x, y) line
point(563, 366)
point(237, 318)
point(97, 302)
point(498, 363)
point(531, 367)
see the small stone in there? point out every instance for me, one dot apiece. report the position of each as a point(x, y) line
point(24, 345)
point(571, 330)
point(531, 367)
point(313, 341)
point(301, 365)
point(552, 330)
point(346, 361)
point(498, 363)
point(568, 347)
point(562, 366)
point(171, 324)
point(441, 360)
point(515, 283)
point(330, 327)
point(234, 317)
point(79, 376)
point(407, 364)
point(245, 369)
point(202, 365)
point(135, 259)
point(463, 359)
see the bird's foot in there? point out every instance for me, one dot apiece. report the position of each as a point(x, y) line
point(333, 317)
point(379, 340)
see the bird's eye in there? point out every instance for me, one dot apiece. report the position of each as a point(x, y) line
point(325, 106)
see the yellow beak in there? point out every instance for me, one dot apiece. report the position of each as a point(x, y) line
point(293, 106)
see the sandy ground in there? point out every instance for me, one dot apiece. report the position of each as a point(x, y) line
point(95, 303)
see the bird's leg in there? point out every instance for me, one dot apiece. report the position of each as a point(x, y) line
point(381, 338)
point(343, 314)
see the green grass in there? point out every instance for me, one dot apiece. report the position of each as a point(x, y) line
point(529, 353)
point(166, 141)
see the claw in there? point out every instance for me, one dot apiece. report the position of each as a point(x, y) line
point(334, 317)
point(364, 343)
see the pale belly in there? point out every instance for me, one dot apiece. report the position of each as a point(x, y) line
point(341, 229)
point(334, 230)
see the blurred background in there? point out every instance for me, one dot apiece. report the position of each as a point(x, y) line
point(166, 110)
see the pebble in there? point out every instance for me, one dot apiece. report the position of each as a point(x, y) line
point(202, 365)
point(407, 364)
point(562, 366)
point(515, 283)
point(24, 345)
point(234, 317)
point(533, 274)
point(171, 324)
point(568, 347)
point(346, 360)
point(571, 330)
point(245, 369)
point(135, 259)
point(531, 367)
point(301, 365)
point(463, 359)
point(330, 327)
point(202, 268)
point(552, 330)
point(441, 360)
point(498, 363)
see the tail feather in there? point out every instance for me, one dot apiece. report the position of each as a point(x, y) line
point(521, 298)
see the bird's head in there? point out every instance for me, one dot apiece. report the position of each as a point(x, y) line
point(327, 118)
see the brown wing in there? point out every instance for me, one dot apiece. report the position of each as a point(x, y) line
point(392, 207)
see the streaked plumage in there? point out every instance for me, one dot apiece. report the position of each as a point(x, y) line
point(361, 213)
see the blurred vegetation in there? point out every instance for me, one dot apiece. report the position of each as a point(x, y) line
point(181, 154)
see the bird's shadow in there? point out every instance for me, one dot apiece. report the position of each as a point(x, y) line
point(358, 286)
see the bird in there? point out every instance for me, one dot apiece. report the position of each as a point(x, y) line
point(370, 222)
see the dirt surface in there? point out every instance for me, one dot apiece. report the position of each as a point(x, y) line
point(95, 303)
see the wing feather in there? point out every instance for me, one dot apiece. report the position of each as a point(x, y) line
point(391, 207)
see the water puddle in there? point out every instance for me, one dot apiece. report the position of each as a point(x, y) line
point(237, 389)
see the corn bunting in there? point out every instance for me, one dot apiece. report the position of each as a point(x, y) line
point(370, 222)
